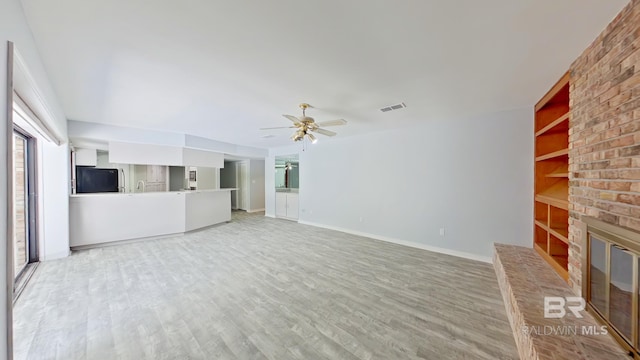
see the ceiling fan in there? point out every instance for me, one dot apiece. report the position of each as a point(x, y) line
point(305, 126)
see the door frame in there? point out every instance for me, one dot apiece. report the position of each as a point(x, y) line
point(31, 173)
point(9, 280)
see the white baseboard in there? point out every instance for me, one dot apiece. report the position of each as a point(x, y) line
point(461, 254)
point(270, 215)
point(130, 241)
point(255, 210)
point(58, 255)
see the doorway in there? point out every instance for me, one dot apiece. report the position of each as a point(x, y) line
point(25, 229)
point(243, 185)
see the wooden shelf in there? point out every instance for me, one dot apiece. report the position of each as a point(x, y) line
point(557, 195)
point(551, 182)
point(552, 155)
point(561, 171)
point(558, 263)
point(541, 224)
point(555, 123)
point(539, 249)
point(562, 84)
point(562, 204)
point(563, 261)
point(558, 175)
point(541, 212)
point(562, 234)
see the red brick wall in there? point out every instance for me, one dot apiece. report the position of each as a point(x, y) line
point(604, 135)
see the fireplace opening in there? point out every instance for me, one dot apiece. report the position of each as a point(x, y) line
point(610, 279)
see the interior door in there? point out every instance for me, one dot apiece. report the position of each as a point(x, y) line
point(243, 186)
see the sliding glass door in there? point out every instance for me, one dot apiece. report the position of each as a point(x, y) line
point(24, 219)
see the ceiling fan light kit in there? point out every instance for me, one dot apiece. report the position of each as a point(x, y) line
point(306, 125)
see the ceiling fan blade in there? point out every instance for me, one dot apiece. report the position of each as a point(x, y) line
point(292, 118)
point(332, 123)
point(325, 132)
point(279, 127)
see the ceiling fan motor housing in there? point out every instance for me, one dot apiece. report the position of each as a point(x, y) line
point(306, 125)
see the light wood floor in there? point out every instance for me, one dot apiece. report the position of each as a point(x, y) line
point(261, 288)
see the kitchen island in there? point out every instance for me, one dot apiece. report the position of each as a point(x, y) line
point(102, 218)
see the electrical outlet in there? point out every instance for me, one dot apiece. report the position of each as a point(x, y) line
point(441, 231)
point(360, 218)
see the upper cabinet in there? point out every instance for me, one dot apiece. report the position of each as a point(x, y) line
point(86, 157)
point(131, 153)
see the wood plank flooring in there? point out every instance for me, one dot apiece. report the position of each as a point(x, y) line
point(261, 288)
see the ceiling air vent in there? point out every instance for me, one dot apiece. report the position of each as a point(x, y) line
point(393, 107)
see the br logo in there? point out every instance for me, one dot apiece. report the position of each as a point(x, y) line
point(555, 307)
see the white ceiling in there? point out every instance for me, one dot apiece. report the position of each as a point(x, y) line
point(223, 69)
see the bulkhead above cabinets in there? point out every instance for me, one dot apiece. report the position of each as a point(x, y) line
point(132, 153)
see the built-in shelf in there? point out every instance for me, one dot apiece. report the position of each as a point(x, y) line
point(561, 171)
point(558, 263)
point(552, 155)
point(560, 124)
point(556, 195)
point(561, 234)
point(551, 213)
point(558, 175)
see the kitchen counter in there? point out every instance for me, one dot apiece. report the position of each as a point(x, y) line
point(102, 218)
point(149, 193)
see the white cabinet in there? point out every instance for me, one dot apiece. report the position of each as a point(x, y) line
point(108, 217)
point(287, 205)
point(281, 204)
point(86, 157)
point(156, 173)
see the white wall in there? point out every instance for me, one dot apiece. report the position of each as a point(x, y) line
point(54, 240)
point(207, 178)
point(13, 27)
point(473, 177)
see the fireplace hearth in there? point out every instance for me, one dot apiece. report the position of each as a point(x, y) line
point(610, 268)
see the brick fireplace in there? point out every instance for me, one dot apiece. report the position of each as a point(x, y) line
point(604, 198)
point(611, 255)
point(604, 134)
